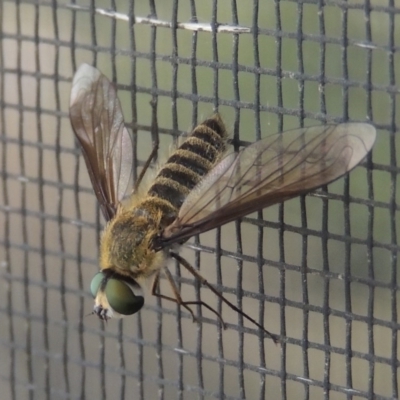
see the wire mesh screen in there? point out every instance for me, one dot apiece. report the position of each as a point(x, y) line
point(320, 271)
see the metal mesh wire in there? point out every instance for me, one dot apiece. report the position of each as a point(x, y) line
point(321, 271)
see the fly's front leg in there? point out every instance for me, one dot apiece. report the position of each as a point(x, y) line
point(178, 299)
point(197, 275)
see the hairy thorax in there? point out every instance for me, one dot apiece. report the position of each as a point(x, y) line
point(126, 243)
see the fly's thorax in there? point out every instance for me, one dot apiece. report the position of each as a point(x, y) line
point(194, 158)
point(126, 244)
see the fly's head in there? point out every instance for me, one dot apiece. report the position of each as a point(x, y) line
point(115, 294)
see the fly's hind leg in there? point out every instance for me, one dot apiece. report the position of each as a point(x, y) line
point(156, 144)
point(178, 299)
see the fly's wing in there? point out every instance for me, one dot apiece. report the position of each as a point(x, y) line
point(98, 123)
point(270, 171)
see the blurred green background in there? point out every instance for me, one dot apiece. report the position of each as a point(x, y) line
point(49, 239)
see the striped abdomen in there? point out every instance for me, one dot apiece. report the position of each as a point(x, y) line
point(197, 155)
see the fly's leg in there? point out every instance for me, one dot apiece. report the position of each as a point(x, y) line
point(178, 299)
point(154, 152)
point(197, 275)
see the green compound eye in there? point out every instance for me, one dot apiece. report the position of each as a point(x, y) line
point(121, 297)
point(95, 284)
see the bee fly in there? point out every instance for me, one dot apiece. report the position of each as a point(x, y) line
point(199, 188)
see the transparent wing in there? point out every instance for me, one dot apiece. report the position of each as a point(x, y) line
point(98, 123)
point(270, 171)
